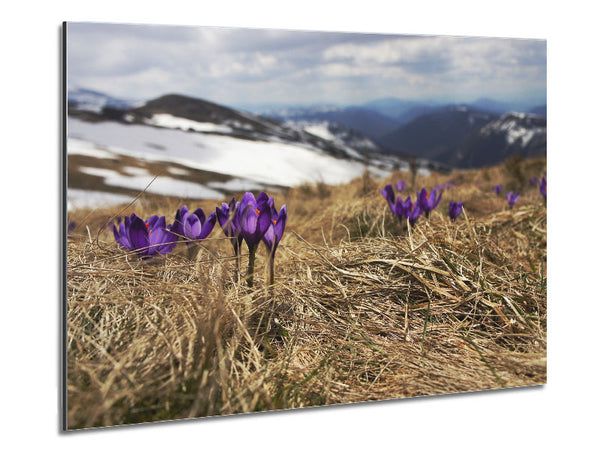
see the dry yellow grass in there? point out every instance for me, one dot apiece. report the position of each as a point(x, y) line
point(362, 309)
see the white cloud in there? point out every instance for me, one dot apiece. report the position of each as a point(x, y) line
point(244, 65)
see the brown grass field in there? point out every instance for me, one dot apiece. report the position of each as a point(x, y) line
point(362, 308)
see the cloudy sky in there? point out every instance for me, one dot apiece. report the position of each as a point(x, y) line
point(249, 66)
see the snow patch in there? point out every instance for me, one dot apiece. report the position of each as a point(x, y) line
point(164, 186)
point(135, 171)
point(169, 121)
point(178, 171)
point(320, 130)
point(277, 163)
point(80, 198)
point(99, 172)
point(161, 185)
point(79, 147)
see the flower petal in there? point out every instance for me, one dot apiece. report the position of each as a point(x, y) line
point(388, 194)
point(138, 235)
point(269, 238)
point(200, 215)
point(265, 217)
point(191, 226)
point(280, 222)
point(208, 226)
point(223, 217)
point(436, 201)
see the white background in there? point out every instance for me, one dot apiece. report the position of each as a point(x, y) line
point(563, 413)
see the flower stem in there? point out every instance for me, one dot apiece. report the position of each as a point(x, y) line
point(272, 269)
point(236, 251)
point(193, 251)
point(251, 259)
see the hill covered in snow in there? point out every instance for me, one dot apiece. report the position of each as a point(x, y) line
point(200, 149)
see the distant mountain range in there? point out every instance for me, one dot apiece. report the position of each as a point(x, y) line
point(467, 135)
point(461, 136)
point(435, 133)
point(366, 121)
point(511, 134)
point(447, 134)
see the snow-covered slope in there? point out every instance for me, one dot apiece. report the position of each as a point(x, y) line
point(512, 134)
point(201, 149)
point(268, 162)
point(354, 143)
point(517, 128)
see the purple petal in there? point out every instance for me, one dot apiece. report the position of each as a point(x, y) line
point(208, 226)
point(269, 238)
point(200, 215)
point(262, 197)
point(152, 221)
point(178, 223)
point(223, 216)
point(138, 235)
point(249, 221)
point(398, 209)
point(117, 235)
point(265, 217)
point(161, 234)
point(436, 201)
point(388, 194)
point(248, 202)
point(191, 226)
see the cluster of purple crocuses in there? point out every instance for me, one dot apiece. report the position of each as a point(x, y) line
point(512, 197)
point(426, 202)
point(251, 220)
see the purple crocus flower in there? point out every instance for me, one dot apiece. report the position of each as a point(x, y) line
point(254, 218)
point(412, 211)
point(227, 219)
point(275, 231)
point(406, 210)
point(533, 181)
point(147, 238)
point(274, 234)
point(455, 209)
point(398, 209)
point(400, 185)
point(388, 194)
point(193, 226)
point(543, 186)
point(428, 201)
point(498, 189)
point(512, 198)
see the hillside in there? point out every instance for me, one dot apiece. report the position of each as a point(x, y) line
point(361, 309)
point(366, 121)
point(204, 150)
point(436, 133)
point(510, 135)
point(462, 137)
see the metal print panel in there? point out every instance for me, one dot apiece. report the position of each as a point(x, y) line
point(261, 220)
